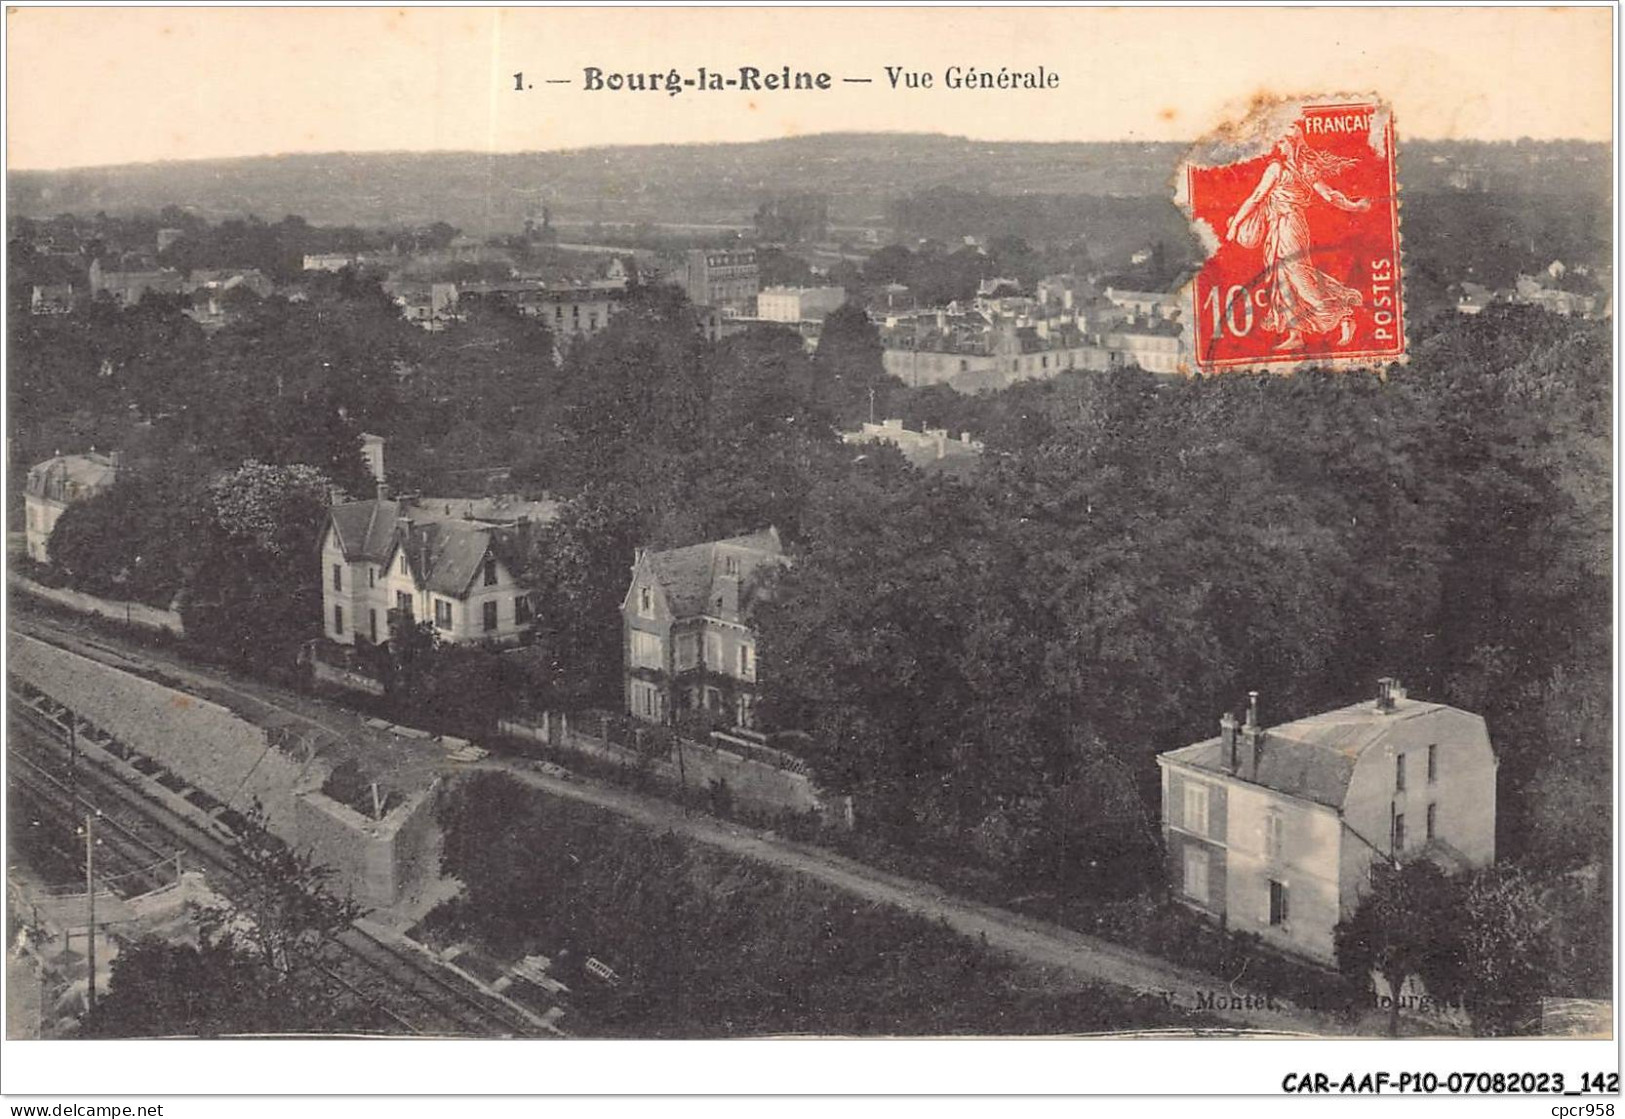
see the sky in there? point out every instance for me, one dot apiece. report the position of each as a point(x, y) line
point(97, 86)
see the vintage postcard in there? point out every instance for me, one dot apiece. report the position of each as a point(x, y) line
point(782, 524)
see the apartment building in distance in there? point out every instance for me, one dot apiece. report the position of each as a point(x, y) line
point(1273, 830)
point(689, 644)
point(727, 279)
point(794, 305)
point(128, 286)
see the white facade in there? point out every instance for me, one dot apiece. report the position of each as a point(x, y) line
point(786, 304)
point(358, 594)
point(1277, 835)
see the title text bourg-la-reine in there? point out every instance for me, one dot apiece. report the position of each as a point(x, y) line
point(751, 79)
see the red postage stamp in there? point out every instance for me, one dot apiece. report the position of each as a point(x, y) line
point(1298, 210)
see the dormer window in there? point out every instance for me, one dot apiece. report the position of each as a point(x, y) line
point(646, 602)
point(490, 572)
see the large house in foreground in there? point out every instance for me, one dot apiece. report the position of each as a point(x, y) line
point(689, 641)
point(57, 483)
point(456, 562)
point(1273, 831)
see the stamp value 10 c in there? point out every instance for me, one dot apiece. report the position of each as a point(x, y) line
point(1298, 210)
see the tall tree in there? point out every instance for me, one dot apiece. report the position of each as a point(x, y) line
point(1401, 929)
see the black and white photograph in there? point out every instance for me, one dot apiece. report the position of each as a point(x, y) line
point(622, 525)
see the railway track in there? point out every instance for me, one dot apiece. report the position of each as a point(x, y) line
point(143, 842)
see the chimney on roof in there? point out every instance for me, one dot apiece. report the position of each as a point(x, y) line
point(1252, 733)
point(1229, 757)
point(1388, 690)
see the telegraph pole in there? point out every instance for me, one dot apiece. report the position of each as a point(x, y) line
point(90, 898)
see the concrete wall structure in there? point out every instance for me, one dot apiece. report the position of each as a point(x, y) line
point(751, 783)
point(381, 862)
point(203, 743)
point(131, 613)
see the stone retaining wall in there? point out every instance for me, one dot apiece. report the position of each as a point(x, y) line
point(750, 783)
point(199, 741)
point(131, 613)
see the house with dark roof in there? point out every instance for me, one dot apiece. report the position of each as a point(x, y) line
point(57, 483)
point(689, 644)
point(458, 562)
point(1273, 830)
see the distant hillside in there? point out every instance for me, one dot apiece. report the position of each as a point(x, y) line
point(861, 173)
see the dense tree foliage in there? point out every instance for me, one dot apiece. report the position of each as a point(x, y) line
point(1485, 941)
point(1402, 930)
point(251, 597)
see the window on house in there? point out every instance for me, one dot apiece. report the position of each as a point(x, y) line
point(488, 615)
point(688, 650)
point(1195, 880)
point(372, 626)
point(742, 710)
point(1399, 831)
point(1196, 809)
point(1399, 772)
point(372, 576)
point(1433, 820)
point(403, 603)
point(338, 577)
point(645, 700)
point(647, 650)
point(338, 620)
point(403, 563)
point(1273, 828)
point(646, 602)
point(1278, 903)
point(713, 652)
point(1433, 764)
point(490, 572)
point(522, 610)
point(730, 565)
point(747, 663)
point(442, 613)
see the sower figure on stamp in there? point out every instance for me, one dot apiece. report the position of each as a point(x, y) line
point(1301, 296)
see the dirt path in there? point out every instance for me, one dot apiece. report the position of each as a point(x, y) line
point(1068, 959)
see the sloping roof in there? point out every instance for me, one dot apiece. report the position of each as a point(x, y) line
point(70, 477)
point(366, 529)
point(687, 575)
point(1314, 758)
point(446, 541)
point(446, 555)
